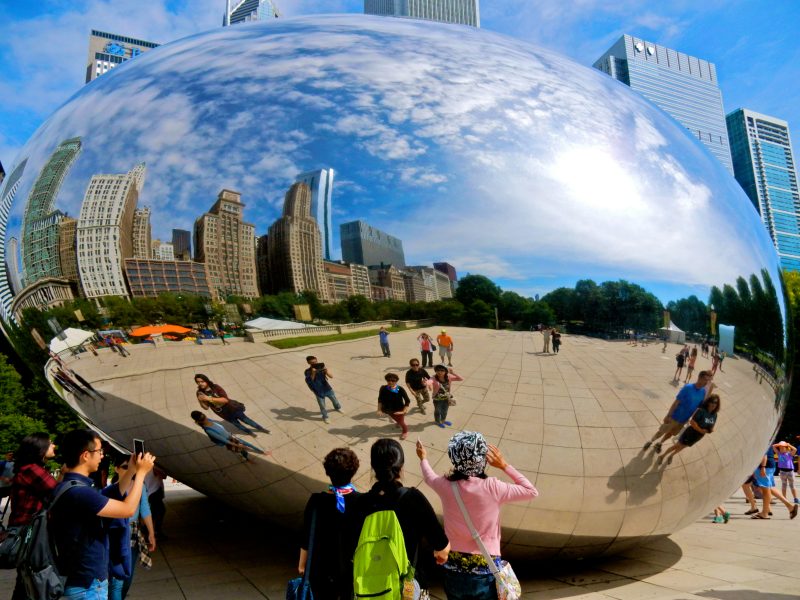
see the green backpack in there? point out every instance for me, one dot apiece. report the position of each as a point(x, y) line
point(380, 563)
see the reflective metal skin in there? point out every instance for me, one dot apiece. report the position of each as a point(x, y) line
point(497, 157)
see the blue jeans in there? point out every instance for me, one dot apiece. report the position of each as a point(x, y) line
point(385, 349)
point(98, 590)
point(468, 586)
point(115, 588)
point(240, 416)
point(321, 402)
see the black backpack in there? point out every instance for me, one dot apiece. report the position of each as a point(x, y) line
point(36, 564)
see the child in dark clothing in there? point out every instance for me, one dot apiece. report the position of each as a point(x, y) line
point(701, 423)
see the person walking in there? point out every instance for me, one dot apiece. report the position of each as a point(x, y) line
point(221, 336)
point(467, 574)
point(556, 339)
point(394, 401)
point(416, 516)
point(317, 376)
point(546, 340)
point(210, 395)
point(331, 568)
point(222, 437)
point(680, 359)
point(690, 364)
point(31, 487)
point(702, 422)
point(765, 480)
point(786, 453)
point(383, 337)
point(426, 348)
point(441, 393)
point(715, 362)
point(445, 347)
point(417, 381)
point(686, 402)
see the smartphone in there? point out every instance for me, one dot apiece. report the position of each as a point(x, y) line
point(138, 447)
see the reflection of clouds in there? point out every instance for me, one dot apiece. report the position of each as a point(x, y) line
point(529, 159)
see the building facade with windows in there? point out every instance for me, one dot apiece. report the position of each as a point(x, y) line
point(182, 244)
point(227, 246)
point(464, 12)
point(105, 232)
point(45, 293)
point(40, 219)
point(683, 86)
point(763, 164)
point(9, 256)
point(108, 50)
point(242, 11)
point(149, 278)
point(295, 247)
point(320, 182)
point(367, 245)
point(68, 250)
point(142, 233)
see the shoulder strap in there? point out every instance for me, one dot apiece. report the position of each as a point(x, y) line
point(310, 547)
point(64, 489)
point(475, 536)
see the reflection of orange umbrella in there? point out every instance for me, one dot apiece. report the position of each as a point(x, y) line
point(151, 329)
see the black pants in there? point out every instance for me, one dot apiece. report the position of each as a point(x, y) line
point(158, 509)
point(427, 358)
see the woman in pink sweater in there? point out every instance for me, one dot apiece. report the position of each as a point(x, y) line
point(467, 575)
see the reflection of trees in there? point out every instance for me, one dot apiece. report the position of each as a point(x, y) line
point(612, 306)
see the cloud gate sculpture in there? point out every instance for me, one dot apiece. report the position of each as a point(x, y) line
point(473, 149)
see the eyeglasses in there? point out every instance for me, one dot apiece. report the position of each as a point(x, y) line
point(414, 364)
point(100, 450)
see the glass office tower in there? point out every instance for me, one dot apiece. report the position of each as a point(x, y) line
point(464, 12)
point(683, 86)
point(763, 164)
point(242, 11)
point(321, 184)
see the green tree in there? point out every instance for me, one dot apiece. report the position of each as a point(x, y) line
point(513, 307)
point(477, 287)
point(480, 314)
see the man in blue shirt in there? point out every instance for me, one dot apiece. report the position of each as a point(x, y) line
point(317, 376)
point(222, 437)
point(79, 527)
point(686, 402)
point(383, 336)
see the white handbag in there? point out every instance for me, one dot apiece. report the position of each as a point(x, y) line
point(508, 587)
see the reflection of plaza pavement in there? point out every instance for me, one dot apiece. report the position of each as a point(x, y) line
point(214, 552)
point(574, 423)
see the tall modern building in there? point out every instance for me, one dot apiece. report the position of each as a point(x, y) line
point(105, 231)
point(464, 12)
point(68, 250)
point(227, 246)
point(366, 245)
point(142, 233)
point(294, 246)
point(182, 244)
point(241, 11)
point(320, 182)
point(108, 50)
point(683, 86)
point(9, 259)
point(763, 163)
point(40, 220)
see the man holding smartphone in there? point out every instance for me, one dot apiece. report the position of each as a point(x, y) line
point(317, 376)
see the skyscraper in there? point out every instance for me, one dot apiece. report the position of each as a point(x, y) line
point(366, 245)
point(182, 244)
point(105, 231)
point(68, 249)
point(241, 11)
point(320, 182)
point(465, 12)
point(108, 50)
point(763, 163)
point(9, 274)
point(142, 233)
point(683, 86)
point(227, 245)
point(40, 220)
point(294, 245)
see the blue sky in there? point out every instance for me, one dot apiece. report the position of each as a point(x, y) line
point(755, 45)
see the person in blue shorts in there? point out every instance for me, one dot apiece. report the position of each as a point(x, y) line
point(686, 402)
point(765, 479)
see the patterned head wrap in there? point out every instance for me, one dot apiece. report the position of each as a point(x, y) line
point(467, 451)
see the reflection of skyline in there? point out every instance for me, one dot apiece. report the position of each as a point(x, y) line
point(510, 159)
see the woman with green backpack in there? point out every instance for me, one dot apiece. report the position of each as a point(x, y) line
point(391, 521)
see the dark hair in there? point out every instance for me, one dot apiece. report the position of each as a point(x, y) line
point(204, 378)
point(197, 415)
point(704, 406)
point(391, 377)
point(387, 460)
point(704, 374)
point(459, 476)
point(31, 451)
point(309, 357)
point(77, 442)
point(340, 466)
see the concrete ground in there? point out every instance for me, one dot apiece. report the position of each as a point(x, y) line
point(215, 552)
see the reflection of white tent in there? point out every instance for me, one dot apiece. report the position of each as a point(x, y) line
point(265, 324)
point(74, 338)
point(674, 333)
